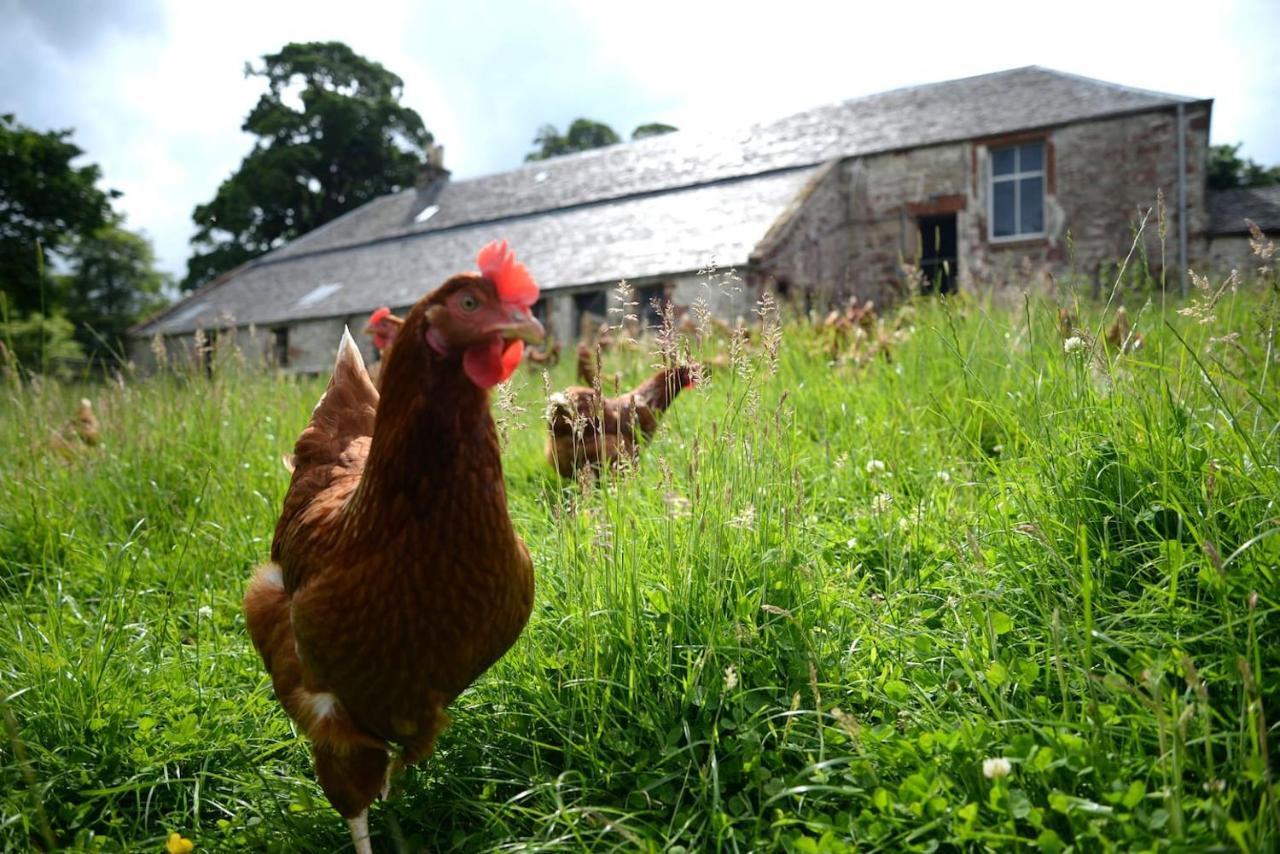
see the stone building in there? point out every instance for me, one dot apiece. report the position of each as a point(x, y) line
point(971, 181)
point(1230, 212)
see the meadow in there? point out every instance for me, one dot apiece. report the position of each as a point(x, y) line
point(1000, 591)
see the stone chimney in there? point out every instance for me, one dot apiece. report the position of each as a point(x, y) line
point(431, 174)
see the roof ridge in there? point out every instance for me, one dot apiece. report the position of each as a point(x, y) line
point(1120, 87)
point(717, 133)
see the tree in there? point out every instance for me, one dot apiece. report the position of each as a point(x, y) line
point(1229, 171)
point(584, 135)
point(45, 204)
point(40, 344)
point(652, 129)
point(113, 282)
point(348, 141)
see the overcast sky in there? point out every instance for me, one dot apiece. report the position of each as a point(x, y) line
point(156, 93)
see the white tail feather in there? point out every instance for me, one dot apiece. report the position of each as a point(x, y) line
point(349, 359)
point(348, 353)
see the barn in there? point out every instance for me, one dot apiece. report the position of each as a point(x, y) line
point(951, 185)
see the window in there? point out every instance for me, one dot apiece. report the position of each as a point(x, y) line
point(280, 346)
point(1017, 191)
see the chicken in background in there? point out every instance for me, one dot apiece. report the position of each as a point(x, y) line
point(1121, 335)
point(588, 430)
point(85, 424)
point(80, 432)
point(383, 326)
point(1066, 323)
point(842, 326)
point(396, 577)
point(547, 356)
point(588, 370)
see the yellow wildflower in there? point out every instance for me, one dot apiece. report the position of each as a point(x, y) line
point(179, 845)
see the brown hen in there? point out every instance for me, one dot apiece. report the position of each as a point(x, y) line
point(1121, 335)
point(587, 429)
point(383, 327)
point(396, 577)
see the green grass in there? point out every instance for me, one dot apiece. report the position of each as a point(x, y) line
point(756, 641)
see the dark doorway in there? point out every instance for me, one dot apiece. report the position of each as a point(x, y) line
point(280, 346)
point(938, 253)
point(589, 311)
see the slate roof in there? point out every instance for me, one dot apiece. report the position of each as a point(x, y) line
point(558, 211)
point(678, 231)
point(1228, 210)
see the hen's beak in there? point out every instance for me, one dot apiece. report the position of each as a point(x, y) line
point(523, 325)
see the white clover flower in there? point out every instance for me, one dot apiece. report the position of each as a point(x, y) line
point(730, 678)
point(994, 769)
point(944, 476)
point(875, 466)
point(1074, 344)
point(881, 502)
point(205, 612)
point(852, 543)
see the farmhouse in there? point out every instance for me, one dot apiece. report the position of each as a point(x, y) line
point(936, 187)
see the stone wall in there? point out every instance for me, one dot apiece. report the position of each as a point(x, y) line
point(313, 345)
point(855, 230)
point(1229, 252)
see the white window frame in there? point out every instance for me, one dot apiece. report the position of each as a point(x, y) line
point(1016, 177)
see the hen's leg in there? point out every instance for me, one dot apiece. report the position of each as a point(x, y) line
point(351, 777)
point(360, 832)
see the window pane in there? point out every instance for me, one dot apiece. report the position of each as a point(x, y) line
point(1032, 157)
point(1002, 214)
point(1004, 161)
point(1032, 206)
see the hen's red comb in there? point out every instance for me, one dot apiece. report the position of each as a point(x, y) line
point(515, 283)
point(379, 315)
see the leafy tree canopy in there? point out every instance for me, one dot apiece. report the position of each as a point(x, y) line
point(583, 135)
point(332, 135)
point(652, 129)
point(113, 281)
point(40, 344)
point(1229, 171)
point(45, 201)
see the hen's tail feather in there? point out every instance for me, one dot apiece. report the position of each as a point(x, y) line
point(345, 412)
point(320, 714)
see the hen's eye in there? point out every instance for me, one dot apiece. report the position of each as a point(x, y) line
point(468, 303)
